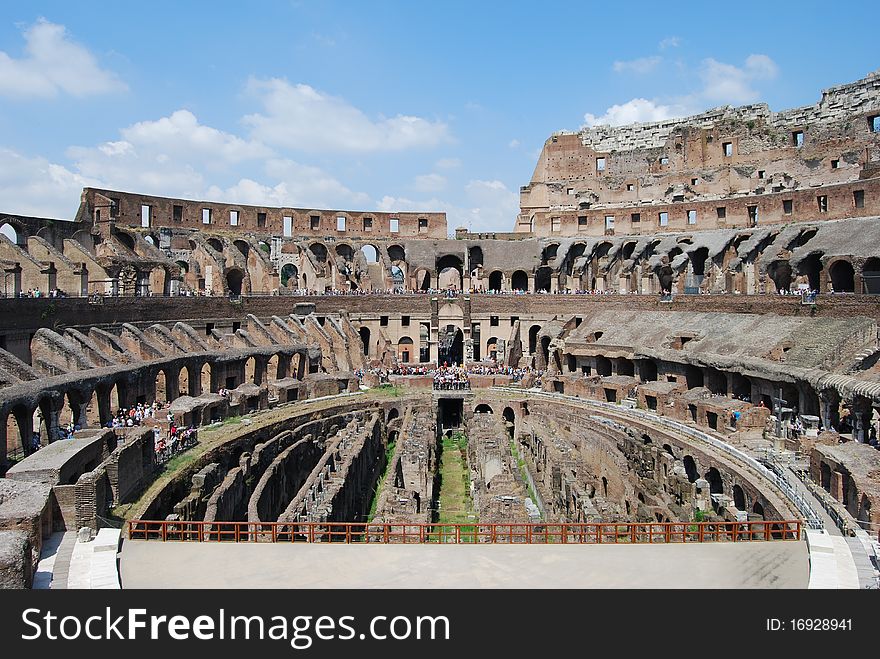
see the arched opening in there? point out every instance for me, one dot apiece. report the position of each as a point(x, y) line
point(519, 281)
point(482, 408)
point(398, 279)
point(549, 253)
point(625, 367)
point(842, 277)
point(475, 258)
point(234, 280)
point(250, 371)
point(646, 439)
point(545, 349)
point(542, 279)
point(423, 280)
point(603, 366)
point(161, 386)
point(451, 348)
point(690, 468)
point(698, 261)
point(20, 440)
point(243, 247)
point(741, 387)
point(405, 350)
point(758, 509)
point(272, 369)
point(739, 498)
point(125, 240)
point(693, 376)
point(290, 276)
point(602, 249)
point(371, 254)
point(450, 274)
point(780, 273)
point(9, 231)
point(396, 253)
point(205, 378)
point(871, 276)
point(604, 486)
point(495, 279)
point(319, 252)
point(183, 381)
point(216, 244)
point(365, 339)
point(345, 252)
point(509, 415)
point(492, 348)
point(628, 250)
point(647, 370)
point(716, 485)
point(533, 338)
point(393, 413)
point(811, 268)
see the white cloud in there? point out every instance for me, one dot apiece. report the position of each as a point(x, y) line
point(513, 143)
point(638, 110)
point(721, 84)
point(726, 83)
point(298, 185)
point(301, 117)
point(37, 187)
point(448, 163)
point(168, 156)
point(641, 66)
point(669, 42)
point(52, 64)
point(491, 206)
point(430, 183)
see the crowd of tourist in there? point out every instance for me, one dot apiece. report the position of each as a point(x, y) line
point(135, 416)
point(37, 292)
point(451, 377)
point(176, 441)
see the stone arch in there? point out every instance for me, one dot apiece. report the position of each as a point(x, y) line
point(423, 279)
point(405, 352)
point(739, 498)
point(19, 430)
point(160, 385)
point(519, 281)
point(345, 251)
point(628, 249)
point(235, 282)
point(492, 348)
point(371, 253)
point(603, 366)
point(648, 370)
point(290, 276)
point(396, 253)
point(393, 413)
point(758, 509)
point(690, 468)
point(272, 367)
point(509, 415)
point(125, 239)
point(780, 272)
point(533, 338)
point(319, 251)
point(475, 257)
point(698, 259)
point(811, 268)
point(496, 278)
point(483, 408)
point(842, 276)
point(14, 231)
point(543, 279)
point(626, 367)
point(445, 276)
point(716, 483)
point(250, 371)
point(205, 373)
point(243, 247)
point(216, 244)
point(183, 381)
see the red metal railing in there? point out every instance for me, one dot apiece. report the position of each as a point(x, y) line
point(556, 533)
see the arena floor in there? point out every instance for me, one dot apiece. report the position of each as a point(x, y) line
point(151, 564)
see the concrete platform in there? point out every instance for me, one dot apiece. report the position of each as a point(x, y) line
point(152, 564)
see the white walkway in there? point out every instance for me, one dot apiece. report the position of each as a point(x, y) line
point(67, 563)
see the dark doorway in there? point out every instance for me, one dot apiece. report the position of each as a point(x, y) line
point(451, 346)
point(449, 413)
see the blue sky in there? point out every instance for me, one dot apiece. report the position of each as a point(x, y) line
point(384, 105)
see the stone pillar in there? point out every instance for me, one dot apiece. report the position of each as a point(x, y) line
point(433, 341)
point(860, 413)
point(829, 400)
point(532, 283)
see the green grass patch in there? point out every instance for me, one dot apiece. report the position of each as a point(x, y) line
point(523, 471)
point(456, 506)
